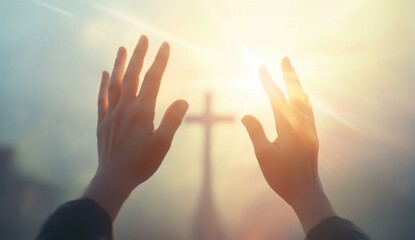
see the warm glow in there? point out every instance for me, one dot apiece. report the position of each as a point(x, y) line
point(354, 59)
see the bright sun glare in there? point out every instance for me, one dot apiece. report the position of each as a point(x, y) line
point(242, 43)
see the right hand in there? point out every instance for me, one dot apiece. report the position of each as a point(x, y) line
point(289, 164)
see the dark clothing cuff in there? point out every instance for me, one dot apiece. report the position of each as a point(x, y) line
point(336, 228)
point(78, 219)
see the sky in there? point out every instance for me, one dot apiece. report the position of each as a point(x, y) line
point(354, 58)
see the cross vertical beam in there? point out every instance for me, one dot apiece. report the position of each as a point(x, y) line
point(207, 224)
point(208, 119)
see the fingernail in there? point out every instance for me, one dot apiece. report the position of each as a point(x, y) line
point(246, 120)
point(183, 106)
point(141, 39)
point(164, 46)
point(119, 51)
point(262, 70)
point(286, 63)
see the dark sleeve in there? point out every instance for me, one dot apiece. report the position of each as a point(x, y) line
point(336, 228)
point(79, 219)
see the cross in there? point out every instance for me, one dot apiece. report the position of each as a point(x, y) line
point(208, 119)
point(207, 224)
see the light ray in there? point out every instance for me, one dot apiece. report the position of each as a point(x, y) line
point(327, 21)
point(226, 28)
point(148, 28)
point(251, 61)
point(55, 9)
point(326, 109)
point(379, 59)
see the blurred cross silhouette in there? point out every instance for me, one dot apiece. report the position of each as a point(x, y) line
point(207, 224)
point(208, 119)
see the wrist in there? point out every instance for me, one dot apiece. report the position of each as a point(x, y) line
point(109, 192)
point(312, 208)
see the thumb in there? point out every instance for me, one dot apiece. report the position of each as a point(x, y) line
point(256, 132)
point(171, 121)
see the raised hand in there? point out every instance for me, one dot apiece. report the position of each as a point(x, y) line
point(289, 164)
point(130, 149)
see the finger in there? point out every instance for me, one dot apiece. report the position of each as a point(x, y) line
point(273, 91)
point(103, 96)
point(294, 88)
point(131, 82)
point(310, 113)
point(310, 135)
point(278, 101)
point(301, 108)
point(296, 96)
point(116, 78)
point(256, 132)
point(151, 83)
point(171, 121)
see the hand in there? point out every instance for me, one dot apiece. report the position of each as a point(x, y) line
point(130, 149)
point(289, 164)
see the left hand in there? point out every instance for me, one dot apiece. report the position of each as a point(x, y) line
point(130, 149)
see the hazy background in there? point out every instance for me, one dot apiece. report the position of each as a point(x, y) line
point(355, 59)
